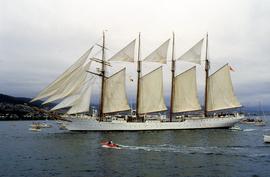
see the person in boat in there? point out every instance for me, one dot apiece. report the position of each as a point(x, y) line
point(110, 142)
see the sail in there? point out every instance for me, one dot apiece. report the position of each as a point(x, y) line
point(71, 100)
point(70, 85)
point(52, 88)
point(151, 97)
point(115, 97)
point(220, 93)
point(126, 54)
point(185, 92)
point(160, 54)
point(83, 102)
point(67, 102)
point(193, 55)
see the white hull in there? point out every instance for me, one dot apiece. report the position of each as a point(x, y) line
point(196, 123)
point(266, 138)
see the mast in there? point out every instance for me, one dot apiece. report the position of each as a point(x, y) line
point(101, 115)
point(138, 77)
point(207, 66)
point(172, 81)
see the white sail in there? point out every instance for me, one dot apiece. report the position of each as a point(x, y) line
point(71, 100)
point(52, 88)
point(67, 102)
point(151, 97)
point(193, 55)
point(160, 54)
point(83, 102)
point(185, 92)
point(126, 54)
point(70, 85)
point(115, 97)
point(220, 93)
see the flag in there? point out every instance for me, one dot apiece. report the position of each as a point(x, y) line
point(130, 79)
point(232, 69)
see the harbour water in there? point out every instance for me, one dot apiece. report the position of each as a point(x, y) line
point(54, 152)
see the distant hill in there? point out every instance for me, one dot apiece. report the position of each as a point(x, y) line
point(20, 108)
point(22, 100)
point(16, 100)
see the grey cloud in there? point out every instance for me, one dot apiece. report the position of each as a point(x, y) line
point(40, 39)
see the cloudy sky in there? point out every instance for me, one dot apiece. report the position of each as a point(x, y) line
point(40, 39)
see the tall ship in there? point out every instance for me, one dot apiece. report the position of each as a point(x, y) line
point(72, 90)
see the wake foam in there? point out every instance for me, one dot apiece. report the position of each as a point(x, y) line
point(208, 150)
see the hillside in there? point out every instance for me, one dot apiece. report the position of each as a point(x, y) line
point(20, 108)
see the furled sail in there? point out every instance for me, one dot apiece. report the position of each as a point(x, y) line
point(83, 102)
point(53, 87)
point(151, 97)
point(70, 85)
point(185, 92)
point(220, 93)
point(160, 54)
point(193, 55)
point(126, 54)
point(115, 97)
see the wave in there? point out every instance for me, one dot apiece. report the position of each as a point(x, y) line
point(249, 130)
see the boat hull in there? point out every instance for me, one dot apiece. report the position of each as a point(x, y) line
point(266, 138)
point(198, 123)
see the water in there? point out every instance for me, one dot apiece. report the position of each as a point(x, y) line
point(52, 152)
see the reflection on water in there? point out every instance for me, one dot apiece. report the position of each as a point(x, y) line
point(53, 152)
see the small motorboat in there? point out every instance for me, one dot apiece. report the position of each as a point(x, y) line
point(256, 121)
point(45, 125)
point(59, 122)
point(266, 138)
point(236, 128)
point(35, 125)
point(35, 129)
point(260, 123)
point(40, 125)
point(110, 144)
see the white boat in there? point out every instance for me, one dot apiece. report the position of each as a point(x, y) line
point(40, 125)
point(256, 121)
point(35, 125)
point(260, 122)
point(59, 122)
point(45, 125)
point(73, 88)
point(236, 128)
point(266, 138)
point(35, 129)
point(115, 125)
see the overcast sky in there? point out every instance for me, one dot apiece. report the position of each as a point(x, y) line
point(40, 39)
